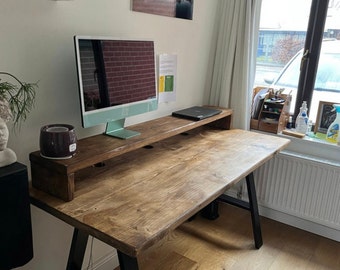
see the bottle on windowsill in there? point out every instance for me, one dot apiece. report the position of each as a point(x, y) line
point(290, 123)
point(332, 134)
point(301, 122)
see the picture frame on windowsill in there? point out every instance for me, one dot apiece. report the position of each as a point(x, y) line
point(325, 116)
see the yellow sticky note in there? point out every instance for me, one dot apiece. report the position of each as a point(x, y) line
point(161, 84)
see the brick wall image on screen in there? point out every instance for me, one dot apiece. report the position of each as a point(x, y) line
point(117, 72)
point(130, 70)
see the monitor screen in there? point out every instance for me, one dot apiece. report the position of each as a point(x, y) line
point(117, 79)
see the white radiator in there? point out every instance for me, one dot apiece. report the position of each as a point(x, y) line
point(302, 187)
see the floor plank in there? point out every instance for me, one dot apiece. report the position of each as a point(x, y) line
point(227, 243)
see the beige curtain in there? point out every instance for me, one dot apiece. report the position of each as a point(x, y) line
point(235, 58)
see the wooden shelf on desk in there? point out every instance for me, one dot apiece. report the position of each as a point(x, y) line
point(57, 177)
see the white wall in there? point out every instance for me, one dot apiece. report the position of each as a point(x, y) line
point(36, 45)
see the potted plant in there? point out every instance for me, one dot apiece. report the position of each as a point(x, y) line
point(16, 101)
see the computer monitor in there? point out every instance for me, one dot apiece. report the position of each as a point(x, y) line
point(117, 79)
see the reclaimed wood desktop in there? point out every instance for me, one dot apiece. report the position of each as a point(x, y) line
point(140, 196)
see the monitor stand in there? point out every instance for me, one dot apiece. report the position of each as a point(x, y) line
point(116, 129)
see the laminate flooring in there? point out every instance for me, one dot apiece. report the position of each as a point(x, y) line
point(227, 243)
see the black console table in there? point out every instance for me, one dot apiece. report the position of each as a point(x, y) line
point(16, 248)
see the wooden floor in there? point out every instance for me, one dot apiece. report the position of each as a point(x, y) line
point(227, 243)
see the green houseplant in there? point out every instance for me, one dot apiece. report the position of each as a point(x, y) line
point(16, 101)
point(20, 97)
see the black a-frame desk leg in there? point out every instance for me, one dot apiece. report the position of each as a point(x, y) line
point(254, 211)
point(126, 262)
point(77, 251)
point(78, 248)
point(211, 211)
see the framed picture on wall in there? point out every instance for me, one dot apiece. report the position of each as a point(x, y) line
point(182, 9)
point(326, 116)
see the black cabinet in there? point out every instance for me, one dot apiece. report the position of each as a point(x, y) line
point(16, 248)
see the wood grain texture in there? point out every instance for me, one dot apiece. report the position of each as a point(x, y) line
point(47, 172)
point(98, 148)
point(139, 197)
point(227, 243)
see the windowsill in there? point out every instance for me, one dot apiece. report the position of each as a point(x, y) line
point(313, 148)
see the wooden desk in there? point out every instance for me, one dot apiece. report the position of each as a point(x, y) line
point(138, 197)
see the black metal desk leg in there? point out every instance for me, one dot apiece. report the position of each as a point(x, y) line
point(126, 262)
point(255, 217)
point(77, 251)
point(210, 211)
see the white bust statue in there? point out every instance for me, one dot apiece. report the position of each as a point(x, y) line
point(7, 156)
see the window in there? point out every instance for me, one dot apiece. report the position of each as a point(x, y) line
point(294, 30)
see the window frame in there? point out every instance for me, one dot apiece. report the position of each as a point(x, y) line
point(312, 48)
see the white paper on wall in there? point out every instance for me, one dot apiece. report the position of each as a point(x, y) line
point(167, 77)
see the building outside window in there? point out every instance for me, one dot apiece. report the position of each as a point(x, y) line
point(285, 34)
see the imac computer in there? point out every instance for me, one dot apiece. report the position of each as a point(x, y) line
point(117, 79)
